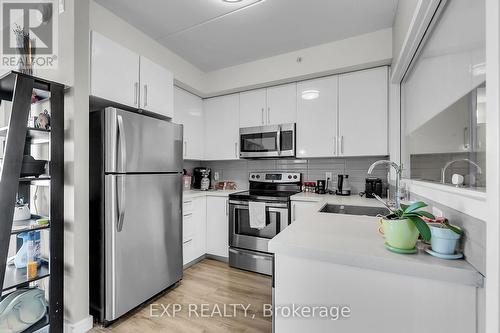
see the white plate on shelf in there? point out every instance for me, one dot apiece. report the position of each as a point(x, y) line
point(454, 256)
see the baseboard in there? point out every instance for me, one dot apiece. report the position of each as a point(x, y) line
point(218, 258)
point(82, 326)
point(195, 261)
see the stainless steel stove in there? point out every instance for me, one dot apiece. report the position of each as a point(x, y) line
point(248, 247)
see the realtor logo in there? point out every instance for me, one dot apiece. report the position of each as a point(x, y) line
point(29, 34)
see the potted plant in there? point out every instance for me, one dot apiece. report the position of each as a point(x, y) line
point(444, 236)
point(403, 225)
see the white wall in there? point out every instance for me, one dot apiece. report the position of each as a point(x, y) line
point(493, 165)
point(76, 250)
point(115, 28)
point(402, 20)
point(353, 53)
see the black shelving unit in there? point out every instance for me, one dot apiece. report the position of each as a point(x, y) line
point(18, 88)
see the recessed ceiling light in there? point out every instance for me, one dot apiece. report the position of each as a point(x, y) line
point(231, 1)
point(310, 94)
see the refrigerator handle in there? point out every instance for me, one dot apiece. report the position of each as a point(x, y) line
point(120, 193)
point(122, 142)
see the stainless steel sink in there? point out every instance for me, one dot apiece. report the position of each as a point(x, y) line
point(354, 210)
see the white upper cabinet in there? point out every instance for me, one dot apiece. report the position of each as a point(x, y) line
point(222, 127)
point(188, 111)
point(317, 102)
point(122, 76)
point(253, 111)
point(114, 71)
point(156, 94)
point(363, 113)
point(282, 104)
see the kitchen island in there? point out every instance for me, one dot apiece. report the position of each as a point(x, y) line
point(337, 260)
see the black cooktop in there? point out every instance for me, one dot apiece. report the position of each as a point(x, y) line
point(282, 196)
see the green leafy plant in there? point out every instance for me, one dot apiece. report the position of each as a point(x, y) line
point(413, 213)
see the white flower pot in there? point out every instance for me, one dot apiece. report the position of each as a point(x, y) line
point(443, 240)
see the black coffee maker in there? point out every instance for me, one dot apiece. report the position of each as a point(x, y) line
point(373, 185)
point(200, 176)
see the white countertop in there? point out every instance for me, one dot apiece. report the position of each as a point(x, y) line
point(354, 241)
point(211, 193)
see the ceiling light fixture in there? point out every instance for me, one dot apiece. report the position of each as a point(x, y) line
point(310, 94)
point(232, 1)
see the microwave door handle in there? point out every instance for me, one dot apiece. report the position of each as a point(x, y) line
point(278, 140)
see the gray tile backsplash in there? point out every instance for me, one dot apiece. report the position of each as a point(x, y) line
point(429, 166)
point(311, 169)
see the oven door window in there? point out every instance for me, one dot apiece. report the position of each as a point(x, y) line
point(242, 224)
point(259, 142)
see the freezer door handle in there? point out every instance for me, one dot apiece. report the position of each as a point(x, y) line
point(122, 142)
point(121, 202)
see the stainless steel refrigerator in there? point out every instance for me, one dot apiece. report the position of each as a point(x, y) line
point(135, 210)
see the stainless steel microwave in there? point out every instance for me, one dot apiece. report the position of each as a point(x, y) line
point(271, 141)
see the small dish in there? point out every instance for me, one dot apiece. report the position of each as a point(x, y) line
point(401, 251)
point(444, 256)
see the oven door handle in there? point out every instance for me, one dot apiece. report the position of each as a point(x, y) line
point(244, 205)
point(254, 256)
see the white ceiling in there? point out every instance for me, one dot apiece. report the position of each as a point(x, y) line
point(212, 34)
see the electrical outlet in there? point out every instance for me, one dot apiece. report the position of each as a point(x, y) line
point(216, 175)
point(328, 175)
point(62, 6)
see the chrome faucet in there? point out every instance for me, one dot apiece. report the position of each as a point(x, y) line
point(399, 170)
point(443, 170)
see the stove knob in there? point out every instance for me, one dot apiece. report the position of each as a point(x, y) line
point(258, 176)
point(295, 177)
point(253, 176)
point(289, 176)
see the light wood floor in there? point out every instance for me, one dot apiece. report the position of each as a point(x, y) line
point(208, 282)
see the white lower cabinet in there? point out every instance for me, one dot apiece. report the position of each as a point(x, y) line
point(194, 228)
point(302, 209)
point(218, 226)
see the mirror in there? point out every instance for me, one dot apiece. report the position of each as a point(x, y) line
point(443, 101)
point(450, 148)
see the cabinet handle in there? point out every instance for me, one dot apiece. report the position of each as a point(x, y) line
point(236, 149)
point(293, 212)
point(185, 148)
point(136, 93)
point(342, 144)
point(334, 145)
point(227, 207)
point(268, 115)
point(262, 116)
point(145, 95)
